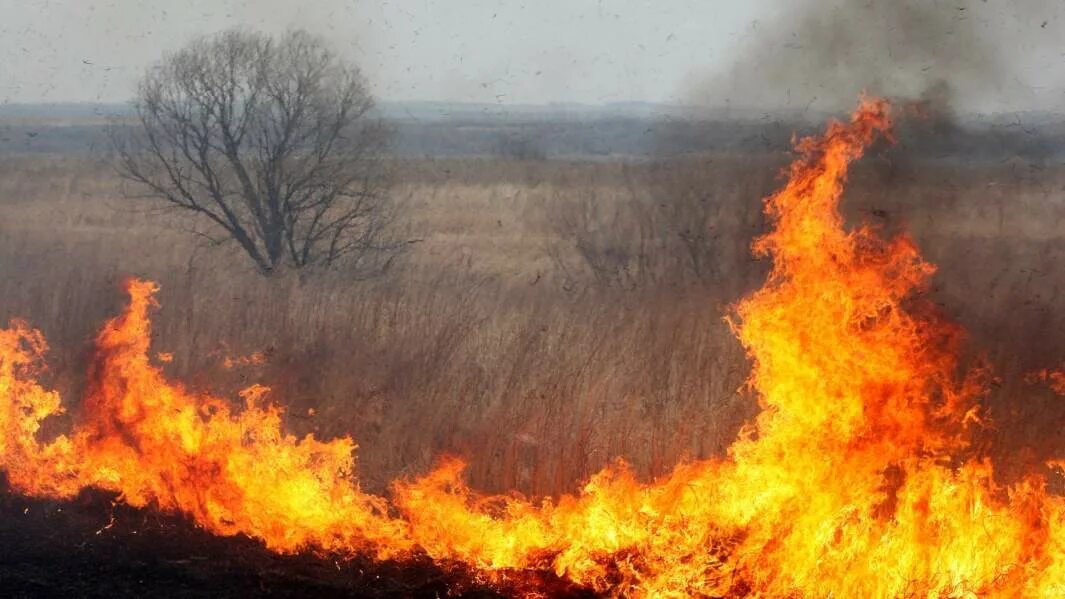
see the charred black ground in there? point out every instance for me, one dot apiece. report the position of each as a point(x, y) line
point(95, 547)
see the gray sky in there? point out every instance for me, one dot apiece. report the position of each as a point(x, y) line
point(537, 51)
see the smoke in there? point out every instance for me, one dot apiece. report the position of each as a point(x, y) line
point(818, 55)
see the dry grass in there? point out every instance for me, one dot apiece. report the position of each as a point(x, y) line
point(493, 340)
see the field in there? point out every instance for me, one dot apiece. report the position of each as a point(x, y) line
point(549, 316)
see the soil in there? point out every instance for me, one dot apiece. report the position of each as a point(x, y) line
point(95, 547)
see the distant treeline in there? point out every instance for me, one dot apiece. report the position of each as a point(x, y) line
point(530, 135)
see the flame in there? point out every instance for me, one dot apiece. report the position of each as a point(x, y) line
point(1052, 378)
point(156, 443)
point(856, 479)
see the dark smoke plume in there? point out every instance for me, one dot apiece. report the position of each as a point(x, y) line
point(818, 55)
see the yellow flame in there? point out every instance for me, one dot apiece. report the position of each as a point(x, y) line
point(851, 482)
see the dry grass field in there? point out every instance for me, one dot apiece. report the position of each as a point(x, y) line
point(551, 317)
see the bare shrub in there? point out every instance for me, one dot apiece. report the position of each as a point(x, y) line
point(708, 208)
point(676, 222)
point(611, 240)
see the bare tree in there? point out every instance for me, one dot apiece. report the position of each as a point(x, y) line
point(270, 140)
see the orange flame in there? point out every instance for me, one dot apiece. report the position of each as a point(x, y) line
point(1052, 378)
point(855, 480)
point(156, 443)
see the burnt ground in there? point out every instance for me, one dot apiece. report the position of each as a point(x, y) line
point(90, 547)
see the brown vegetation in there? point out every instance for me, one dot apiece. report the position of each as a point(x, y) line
point(556, 315)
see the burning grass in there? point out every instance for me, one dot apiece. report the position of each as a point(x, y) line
point(858, 477)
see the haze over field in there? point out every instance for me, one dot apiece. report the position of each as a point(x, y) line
point(992, 56)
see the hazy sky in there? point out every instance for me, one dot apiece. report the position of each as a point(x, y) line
point(533, 51)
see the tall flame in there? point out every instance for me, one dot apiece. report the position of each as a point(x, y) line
point(855, 480)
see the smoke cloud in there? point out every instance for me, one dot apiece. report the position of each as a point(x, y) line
point(976, 55)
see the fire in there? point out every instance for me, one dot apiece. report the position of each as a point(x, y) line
point(1054, 379)
point(857, 478)
point(156, 443)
